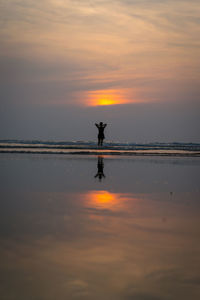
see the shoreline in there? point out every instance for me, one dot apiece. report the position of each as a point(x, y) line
point(105, 152)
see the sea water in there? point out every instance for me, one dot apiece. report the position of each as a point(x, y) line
point(91, 148)
point(99, 227)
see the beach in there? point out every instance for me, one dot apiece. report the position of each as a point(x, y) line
point(99, 227)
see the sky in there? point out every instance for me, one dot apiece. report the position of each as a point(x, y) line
point(66, 64)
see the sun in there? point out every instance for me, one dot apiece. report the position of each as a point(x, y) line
point(107, 97)
point(106, 101)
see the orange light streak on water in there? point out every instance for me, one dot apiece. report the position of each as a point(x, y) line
point(106, 200)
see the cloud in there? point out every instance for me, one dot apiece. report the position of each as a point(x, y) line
point(140, 296)
point(56, 52)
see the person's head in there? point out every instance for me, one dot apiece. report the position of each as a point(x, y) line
point(101, 123)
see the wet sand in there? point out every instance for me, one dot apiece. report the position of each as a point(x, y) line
point(67, 232)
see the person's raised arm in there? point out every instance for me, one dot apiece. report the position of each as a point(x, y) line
point(97, 125)
point(105, 125)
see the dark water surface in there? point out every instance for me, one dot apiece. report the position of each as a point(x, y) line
point(99, 228)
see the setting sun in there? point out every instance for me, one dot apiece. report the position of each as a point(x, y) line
point(106, 101)
point(107, 97)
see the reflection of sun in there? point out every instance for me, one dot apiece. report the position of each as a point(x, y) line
point(103, 199)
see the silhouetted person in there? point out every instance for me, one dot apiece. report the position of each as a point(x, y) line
point(101, 136)
point(100, 166)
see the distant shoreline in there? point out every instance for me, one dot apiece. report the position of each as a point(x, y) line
point(91, 148)
point(96, 152)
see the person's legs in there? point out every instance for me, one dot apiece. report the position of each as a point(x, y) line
point(99, 141)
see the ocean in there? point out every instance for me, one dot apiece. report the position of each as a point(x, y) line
point(90, 147)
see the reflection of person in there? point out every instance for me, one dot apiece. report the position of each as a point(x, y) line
point(100, 166)
point(101, 136)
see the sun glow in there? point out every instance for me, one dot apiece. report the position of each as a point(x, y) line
point(107, 97)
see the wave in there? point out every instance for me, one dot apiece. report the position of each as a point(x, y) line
point(92, 144)
point(90, 147)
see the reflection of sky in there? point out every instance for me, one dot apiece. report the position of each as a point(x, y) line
point(97, 243)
